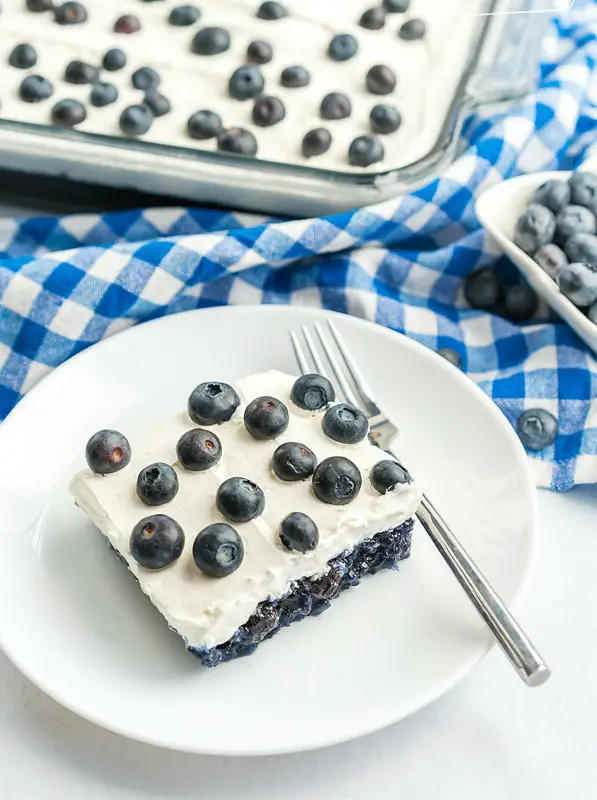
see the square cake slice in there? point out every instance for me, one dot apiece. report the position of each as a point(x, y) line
point(250, 510)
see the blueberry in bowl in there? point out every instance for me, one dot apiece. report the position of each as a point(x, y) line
point(554, 195)
point(578, 282)
point(535, 227)
point(572, 221)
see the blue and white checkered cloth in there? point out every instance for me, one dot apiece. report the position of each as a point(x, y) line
point(67, 282)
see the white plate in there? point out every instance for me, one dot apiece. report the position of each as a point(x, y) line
point(73, 620)
point(498, 209)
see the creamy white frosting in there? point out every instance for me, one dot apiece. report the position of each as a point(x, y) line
point(206, 611)
point(428, 70)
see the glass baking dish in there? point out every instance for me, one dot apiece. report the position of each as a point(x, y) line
point(502, 66)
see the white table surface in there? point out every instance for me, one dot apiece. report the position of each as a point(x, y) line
point(490, 738)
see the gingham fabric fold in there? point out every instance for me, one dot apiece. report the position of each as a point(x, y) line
point(67, 282)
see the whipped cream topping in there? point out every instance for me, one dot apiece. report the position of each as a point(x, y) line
point(428, 70)
point(206, 611)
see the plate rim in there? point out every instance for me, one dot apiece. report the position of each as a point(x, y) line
point(532, 514)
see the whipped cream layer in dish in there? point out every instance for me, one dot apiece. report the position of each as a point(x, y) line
point(427, 70)
point(204, 610)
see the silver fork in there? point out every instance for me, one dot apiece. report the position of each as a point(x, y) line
point(514, 642)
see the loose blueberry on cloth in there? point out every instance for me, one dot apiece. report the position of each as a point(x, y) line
point(67, 282)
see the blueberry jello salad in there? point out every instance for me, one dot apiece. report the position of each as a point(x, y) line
point(558, 230)
point(250, 510)
point(337, 84)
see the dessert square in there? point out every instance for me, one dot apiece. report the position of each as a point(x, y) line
point(250, 510)
point(346, 86)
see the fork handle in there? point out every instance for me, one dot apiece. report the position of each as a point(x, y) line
point(522, 655)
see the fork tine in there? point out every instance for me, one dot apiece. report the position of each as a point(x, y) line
point(300, 355)
point(338, 371)
point(319, 368)
point(355, 373)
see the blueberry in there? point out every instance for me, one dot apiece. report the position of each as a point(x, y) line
point(345, 423)
point(316, 142)
point(237, 141)
point(103, 94)
point(343, 47)
point(534, 228)
point(579, 283)
point(520, 303)
point(293, 461)
point(211, 41)
point(204, 125)
point(373, 19)
point(384, 118)
point(156, 541)
point(550, 258)
point(572, 221)
point(240, 500)
point(260, 52)
point(136, 120)
point(70, 14)
point(380, 80)
point(23, 56)
point(218, 550)
point(181, 16)
point(266, 417)
point(388, 474)
point(114, 60)
point(337, 481)
point(483, 289)
point(271, 10)
point(157, 103)
point(268, 111)
point(335, 105)
point(537, 428)
point(157, 484)
point(246, 82)
point(365, 150)
point(34, 89)
point(396, 6)
point(198, 450)
point(68, 113)
point(107, 451)
point(295, 77)
point(145, 78)
point(583, 189)
point(581, 247)
point(412, 29)
point(450, 355)
point(79, 72)
point(127, 23)
point(39, 5)
point(212, 403)
point(554, 195)
point(312, 392)
point(298, 532)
